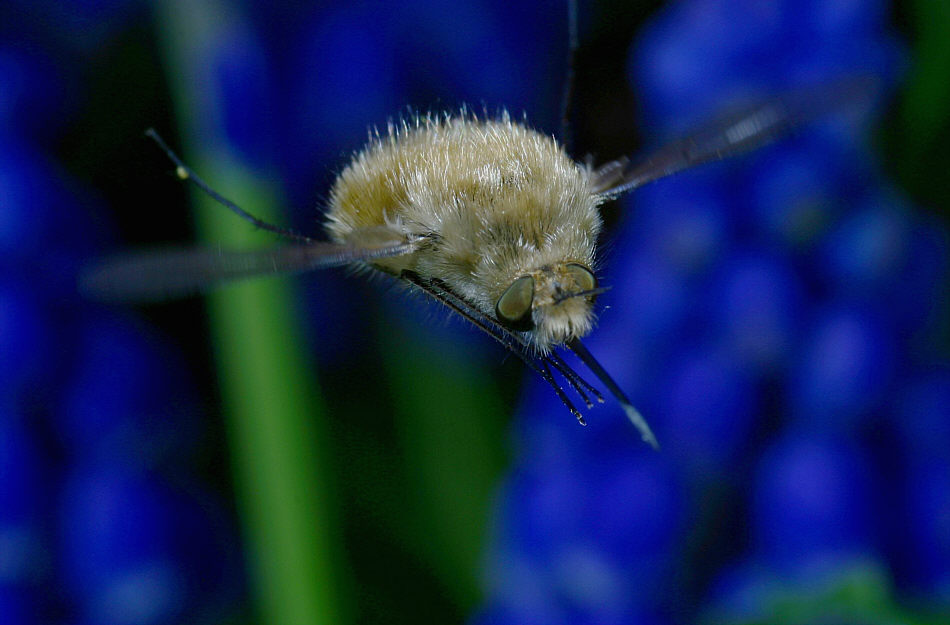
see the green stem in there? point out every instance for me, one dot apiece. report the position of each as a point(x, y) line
point(273, 411)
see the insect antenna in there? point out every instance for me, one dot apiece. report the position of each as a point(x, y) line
point(588, 293)
point(510, 341)
point(633, 414)
point(186, 173)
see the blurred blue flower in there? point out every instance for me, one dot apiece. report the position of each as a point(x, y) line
point(648, 297)
point(15, 607)
point(813, 499)
point(242, 80)
point(868, 248)
point(587, 543)
point(705, 407)
point(117, 548)
point(125, 394)
point(80, 26)
point(338, 81)
point(842, 369)
point(24, 494)
point(685, 221)
point(924, 527)
point(882, 256)
point(77, 383)
point(742, 591)
point(131, 550)
point(39, 213)
point(754, 302)
point(919, 416)
point(26, 336)
point(493, 54)
point(794, 191)
point(30, 91)
point(698, 56)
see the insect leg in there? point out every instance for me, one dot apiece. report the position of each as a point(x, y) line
point(484, 323)
point(579, 384)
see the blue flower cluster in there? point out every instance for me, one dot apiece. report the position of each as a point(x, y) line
point(772, 317)
point(92, 401)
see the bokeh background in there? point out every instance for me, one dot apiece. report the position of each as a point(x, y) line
point(329, 449)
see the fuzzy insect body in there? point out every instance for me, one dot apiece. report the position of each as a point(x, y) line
point(487, 216)
point(487, 202)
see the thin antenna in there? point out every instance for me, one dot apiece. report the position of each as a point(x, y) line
point(588, 293)
point(567, 95)
point(185, 173)
point(633, 414)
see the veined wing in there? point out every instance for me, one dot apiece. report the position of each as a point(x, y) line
point(157, 275)
point(736, 133)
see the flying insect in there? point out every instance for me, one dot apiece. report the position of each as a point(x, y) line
point(486, 215)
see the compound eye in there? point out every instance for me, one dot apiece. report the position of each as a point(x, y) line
point(582, 276)
point(514, 306)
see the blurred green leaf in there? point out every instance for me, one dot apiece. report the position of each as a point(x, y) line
point(922, 132)
point(860, 593)
point(450, 415)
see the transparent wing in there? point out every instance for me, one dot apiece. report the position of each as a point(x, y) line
point(735, 133)
point(158, 275)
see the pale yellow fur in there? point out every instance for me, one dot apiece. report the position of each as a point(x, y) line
point(488, 201)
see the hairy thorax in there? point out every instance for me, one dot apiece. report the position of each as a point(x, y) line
point(489, 201)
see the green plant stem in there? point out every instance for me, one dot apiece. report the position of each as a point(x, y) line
point(273, 411)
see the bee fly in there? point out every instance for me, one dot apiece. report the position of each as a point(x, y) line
point(486, 215)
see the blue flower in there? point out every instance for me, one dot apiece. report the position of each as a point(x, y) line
point(922, 531)
point(843, 369)
point(812, 497)
point(126, 394)
point(754, 302)
point(24, 494)
point(757, 319)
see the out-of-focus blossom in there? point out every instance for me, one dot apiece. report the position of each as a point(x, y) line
point(764, 317)
point(80, 541)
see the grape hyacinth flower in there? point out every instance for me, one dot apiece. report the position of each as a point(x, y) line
point(763, 315)
point(88, 397)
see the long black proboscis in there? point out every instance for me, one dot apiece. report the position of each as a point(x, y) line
point(508, 340)
point(633, 414)
point(186, 173)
